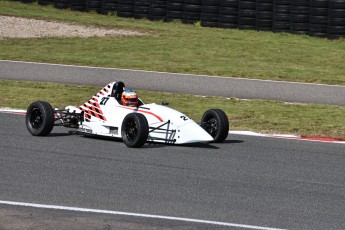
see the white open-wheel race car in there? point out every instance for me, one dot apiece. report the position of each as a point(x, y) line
point(105, 115)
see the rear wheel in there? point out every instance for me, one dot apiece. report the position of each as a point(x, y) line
point(40, 118)
point(135, 130)
point(216, 123)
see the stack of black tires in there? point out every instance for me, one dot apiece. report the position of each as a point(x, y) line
point(300, 16)
point(61, 4)
point(191, 11)
point(281, 16)
point(108, 6)
point(209, 16)
point(336, 19)
point(228, 14)
point(319, 18)
point(174, 10)
point(264, 15)
point(125, 8)
point(93, 5)
point(78, 5)
point(141, 9)
point(157, 10)
point(247, 14)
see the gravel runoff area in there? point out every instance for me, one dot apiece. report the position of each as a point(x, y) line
point(16, 27)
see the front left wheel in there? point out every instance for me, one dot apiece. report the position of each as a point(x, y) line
point(40, 118)
point(216, 123)
point(135, 130)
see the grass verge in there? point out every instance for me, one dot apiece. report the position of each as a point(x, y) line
point(175, 47)
point(252, 115)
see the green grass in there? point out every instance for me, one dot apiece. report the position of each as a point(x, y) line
point(254, 115)
point(175, 47)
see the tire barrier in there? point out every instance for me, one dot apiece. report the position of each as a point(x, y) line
point(247, 14)
point(318, 21)
point(191, 11)
point(209, 16)
point(93, 5)
point(157, 10)
point(60, 4)
point(125, 8)
point(264, 15)
point(174, 10)
point(317, 18)
point(336, 19)
point(141, 9)
point(108, 7)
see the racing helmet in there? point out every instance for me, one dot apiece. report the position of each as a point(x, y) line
point(129, 97)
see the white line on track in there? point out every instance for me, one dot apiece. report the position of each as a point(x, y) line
point(98, 211)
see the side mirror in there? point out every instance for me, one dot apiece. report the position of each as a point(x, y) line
point(165, 103)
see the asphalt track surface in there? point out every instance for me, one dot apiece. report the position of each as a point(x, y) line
point(179, 83)
point(254, 181)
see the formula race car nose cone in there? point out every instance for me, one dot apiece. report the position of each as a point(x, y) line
point(191, 133)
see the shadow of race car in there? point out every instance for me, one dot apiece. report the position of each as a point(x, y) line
point(104, 115)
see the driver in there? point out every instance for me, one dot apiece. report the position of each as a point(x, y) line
point(129, 98)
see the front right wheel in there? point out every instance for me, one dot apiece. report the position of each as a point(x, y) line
point(216, 123)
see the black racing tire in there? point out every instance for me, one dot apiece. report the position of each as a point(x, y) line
point(318, 11)
point(246, 13)
point(319, 3)
point(157, 12)
point(336, 4)
point(229, 3)
point(141, 10)
point(40, 118)
point(192, 2)
point(172, 6)
point(318, 28)
point(135, 130)
point(246, 23)
point(281, 17)
point(264, 23)
point(226, 25)
point(247, 5)
point(192, 8)
point(125, 14)
point(282, 2)
point(282, 9)
point(264, 7)
point(299, 18)
point(216, 123)
point(299, 2)
point(174, 14)
point(321, 20)
point(210, 9)
point(228, 19)
point(210, 2)
point(264, 15)
point(228, 11)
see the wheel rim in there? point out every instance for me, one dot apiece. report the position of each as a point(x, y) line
point(131, 130)
point(212, 127)
point(36, 118)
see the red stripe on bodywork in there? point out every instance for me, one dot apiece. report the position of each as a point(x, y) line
point(143, 111)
